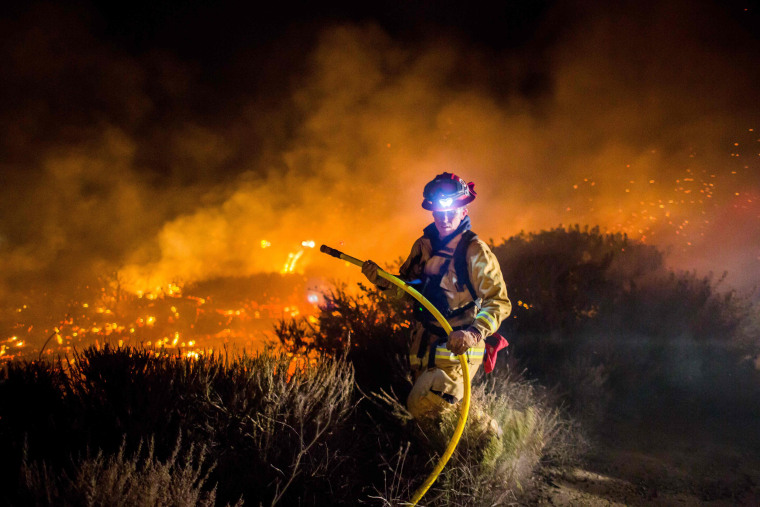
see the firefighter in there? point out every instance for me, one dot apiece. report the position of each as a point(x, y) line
point(459, 274)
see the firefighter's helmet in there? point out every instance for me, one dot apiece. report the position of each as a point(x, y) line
point(447, 192)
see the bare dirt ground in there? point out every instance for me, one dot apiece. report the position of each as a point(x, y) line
point(667, 462)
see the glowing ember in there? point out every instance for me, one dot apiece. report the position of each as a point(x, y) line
point(290, 265)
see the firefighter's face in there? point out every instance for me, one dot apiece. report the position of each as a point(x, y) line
point(447, 222)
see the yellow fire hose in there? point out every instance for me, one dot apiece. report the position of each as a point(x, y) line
point(462, 360)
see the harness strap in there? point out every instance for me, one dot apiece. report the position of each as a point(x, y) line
point(460, 265)
point(433, 282)
point(431, 350)
point(424, 342)
point(459, 311)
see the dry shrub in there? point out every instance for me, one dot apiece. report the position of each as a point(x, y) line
point(485, 469)
point(367, 328)
point(119, 480)
point(602, 318)
point(492, 470)
point(274, 432)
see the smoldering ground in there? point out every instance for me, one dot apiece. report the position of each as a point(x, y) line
point(150, 164)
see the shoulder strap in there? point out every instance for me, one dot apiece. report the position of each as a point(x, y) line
point(460, 262)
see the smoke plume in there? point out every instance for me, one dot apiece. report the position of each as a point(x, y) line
point(639, 119)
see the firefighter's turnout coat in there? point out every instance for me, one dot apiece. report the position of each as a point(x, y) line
point(432, 264)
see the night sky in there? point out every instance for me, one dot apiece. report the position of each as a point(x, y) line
point(181, 141)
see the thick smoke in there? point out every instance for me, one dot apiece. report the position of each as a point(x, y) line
point(145, 166)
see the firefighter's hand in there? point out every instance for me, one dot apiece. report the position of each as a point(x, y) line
point(461, 340)
point(369, 269)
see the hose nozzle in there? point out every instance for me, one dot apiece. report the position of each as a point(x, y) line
point(330, 251)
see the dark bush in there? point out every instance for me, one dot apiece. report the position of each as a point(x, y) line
point(602, 317)
point(370, 330)
point(270, 425)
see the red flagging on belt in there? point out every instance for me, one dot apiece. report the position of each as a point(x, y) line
point(494, 344)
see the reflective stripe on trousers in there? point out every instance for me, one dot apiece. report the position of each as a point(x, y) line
point(445, 358)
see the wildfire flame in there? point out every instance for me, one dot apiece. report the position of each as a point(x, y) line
point(170, 318)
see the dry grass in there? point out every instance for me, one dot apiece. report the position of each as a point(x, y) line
point(486, 469)
point(119, 480)
point(272, 433)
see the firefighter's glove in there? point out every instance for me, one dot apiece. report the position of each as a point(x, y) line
point(369, 269)
point(461, 340)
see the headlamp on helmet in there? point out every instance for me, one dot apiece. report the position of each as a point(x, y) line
point(447, 192)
